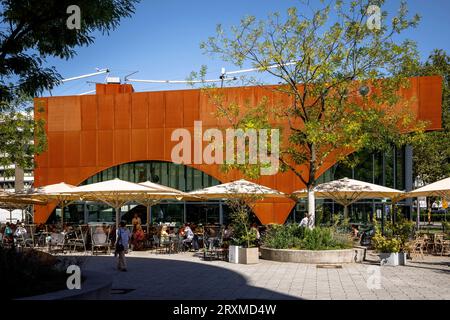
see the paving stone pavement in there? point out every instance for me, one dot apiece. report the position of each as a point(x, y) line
point(187, 276)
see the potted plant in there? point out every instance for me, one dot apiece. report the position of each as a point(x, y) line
point(243, 248)
point(388, 249)
point(402, 230)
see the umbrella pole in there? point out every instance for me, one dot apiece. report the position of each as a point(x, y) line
point(117, 217)
point(345, 212)
point(148, 218)
point(62, 214)
point(418, 214)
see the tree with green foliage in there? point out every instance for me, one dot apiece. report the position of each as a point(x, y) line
point(342, 76)
point(431, 159)
point(21, 136)
point(31, 31)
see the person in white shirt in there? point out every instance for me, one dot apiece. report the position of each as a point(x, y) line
point(188, 235)
point(20, 231)
point(304, 222)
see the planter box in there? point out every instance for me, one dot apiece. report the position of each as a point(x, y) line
point(355, 255)
point(389, 259)
point(233, 254)
point(248, 255)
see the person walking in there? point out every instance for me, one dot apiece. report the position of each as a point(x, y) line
point(122, 239)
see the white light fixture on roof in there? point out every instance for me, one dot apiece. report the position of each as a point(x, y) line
point(115, 80)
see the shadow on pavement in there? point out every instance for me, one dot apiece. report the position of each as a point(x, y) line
point(166, 279)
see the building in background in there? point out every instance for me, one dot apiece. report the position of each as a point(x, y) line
point(121, 133)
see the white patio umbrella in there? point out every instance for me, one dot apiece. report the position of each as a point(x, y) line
point(11, 201)
point(347, 191)
point(156, 193)
point(439, 188)
point(237, 189)
point(115, 193)
point(241, 190)
point(59, 192)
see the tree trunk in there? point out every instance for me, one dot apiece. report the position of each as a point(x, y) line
point(311, 208)
point(310, 186)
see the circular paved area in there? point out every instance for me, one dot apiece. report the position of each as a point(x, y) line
point(187, 276)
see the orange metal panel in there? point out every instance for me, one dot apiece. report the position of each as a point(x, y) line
point(430, 95)
point(71, 175)
point(105, 112)
point(174, 109)
point(102, 89)
point(207, 109)
point(122, 146)
point(56, 114)
point(42, 159)
point(72, 151)
point(156, 143)
point(88, 112)
point(105, 148)
point(40, 176)
point(156, 110)
point(191, 107)
point(122, 111)
point(139, 110)
point(55, 149)
point(139, 144)
point(55, 175)
point(72, 114)
point(88, 148)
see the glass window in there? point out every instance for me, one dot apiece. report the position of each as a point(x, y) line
point(198, 180)
point(189, 179)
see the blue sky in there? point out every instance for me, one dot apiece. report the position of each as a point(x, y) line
point(162, 39)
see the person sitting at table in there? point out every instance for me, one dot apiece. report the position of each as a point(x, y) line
point(138, 238)
point(136, 221)
point(355, 233)
point(254, 228)
point(227, 233)
point(8, 233)
point(188, 236)
point(181, 233)
point(20, 231)
point(164, 235)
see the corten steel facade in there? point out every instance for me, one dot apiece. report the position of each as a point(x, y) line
point(88, 134)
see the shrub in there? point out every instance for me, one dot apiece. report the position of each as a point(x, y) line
point(292, 236)
point(384, 244)
point(446, 226)
point(402, 230)
point(283, 236)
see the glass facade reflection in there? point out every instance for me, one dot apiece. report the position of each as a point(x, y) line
point(177, 176)
point(388, 169)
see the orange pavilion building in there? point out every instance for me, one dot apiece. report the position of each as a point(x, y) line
point(121, 133)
